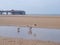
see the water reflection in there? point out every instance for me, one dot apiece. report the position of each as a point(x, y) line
point(18, 30)
point(34, 35)
point(30, 30)
point(30, 33)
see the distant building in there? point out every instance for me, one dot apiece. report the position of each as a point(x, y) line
point(17, 12)
point(13, 12)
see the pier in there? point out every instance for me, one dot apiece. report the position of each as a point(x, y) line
point(12, 12)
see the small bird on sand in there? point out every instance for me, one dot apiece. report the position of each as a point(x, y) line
point(35, 24)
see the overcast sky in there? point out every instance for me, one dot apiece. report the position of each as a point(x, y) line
point(32, 6)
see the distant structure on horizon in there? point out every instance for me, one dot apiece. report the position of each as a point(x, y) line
point(12, 12)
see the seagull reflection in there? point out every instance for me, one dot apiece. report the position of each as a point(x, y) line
point(30, 30)
point(18, 30)
point(34, 35)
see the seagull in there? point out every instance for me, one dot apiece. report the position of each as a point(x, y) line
point(18, 29)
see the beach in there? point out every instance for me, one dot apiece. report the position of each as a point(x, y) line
point(32, 21)
point(40, 21)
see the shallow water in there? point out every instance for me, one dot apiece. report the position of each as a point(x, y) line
point(44, 34)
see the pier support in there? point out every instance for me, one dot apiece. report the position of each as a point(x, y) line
point(13, 12)
point(1, 13)
point(6, 13)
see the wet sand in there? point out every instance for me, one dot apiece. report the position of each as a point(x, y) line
point(15, 41)
point(34, 21)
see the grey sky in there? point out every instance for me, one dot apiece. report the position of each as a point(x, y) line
point(32, 6)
